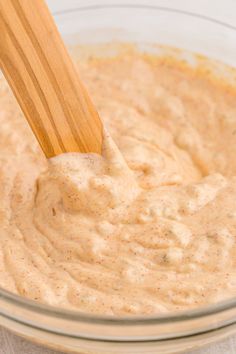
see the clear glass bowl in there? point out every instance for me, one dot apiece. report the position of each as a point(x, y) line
point(202, 26)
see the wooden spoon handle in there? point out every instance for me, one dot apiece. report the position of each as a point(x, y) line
point(44, 79)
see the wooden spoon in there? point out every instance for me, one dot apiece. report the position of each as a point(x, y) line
point(44, 80)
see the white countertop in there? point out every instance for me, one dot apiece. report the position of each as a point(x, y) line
point(11, 344)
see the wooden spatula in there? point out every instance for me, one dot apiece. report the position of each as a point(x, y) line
point(44, 80)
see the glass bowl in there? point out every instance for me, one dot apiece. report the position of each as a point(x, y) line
point(201, 26)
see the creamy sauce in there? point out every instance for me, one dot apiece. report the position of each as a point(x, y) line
point(149, 230)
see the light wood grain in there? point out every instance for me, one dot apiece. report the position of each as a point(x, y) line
point(46, 84)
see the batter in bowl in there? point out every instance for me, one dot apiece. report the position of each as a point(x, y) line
point(146, 229)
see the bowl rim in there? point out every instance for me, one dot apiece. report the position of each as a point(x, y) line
point(74, 315)
point(143, 7)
